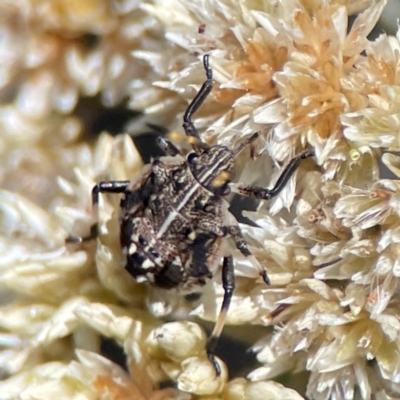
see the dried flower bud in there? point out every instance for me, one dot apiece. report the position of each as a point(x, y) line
point(199, 377)
point(177, 340)
point(109, 320)
point(241, 389)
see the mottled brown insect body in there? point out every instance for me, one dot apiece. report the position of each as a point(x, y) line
point(174, 220)
point(171, 225)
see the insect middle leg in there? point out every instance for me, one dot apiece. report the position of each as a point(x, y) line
point(241, 245)
point(233, 230)
point(266, 194)
point(136, 191)
point(102, 187)
point(228, 283)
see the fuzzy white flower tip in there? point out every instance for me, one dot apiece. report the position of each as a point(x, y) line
point(20, 213)
point(199, 377)
point(177, 340)
point(242, 389)
point(109, 320)
point(90, 377)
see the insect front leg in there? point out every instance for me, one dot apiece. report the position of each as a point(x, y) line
point(102, 187)
point(228, 283)
point(266, 194)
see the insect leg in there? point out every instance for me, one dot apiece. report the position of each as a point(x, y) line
point(241, 245)
point(266, 194)
point(204, 91)
point(167, 146)
point(163, 143)
point(232, 229)
point(102, 187)
point(228, 283)
point(237, 236)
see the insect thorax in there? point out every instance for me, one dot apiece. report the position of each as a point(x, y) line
point(213, 168)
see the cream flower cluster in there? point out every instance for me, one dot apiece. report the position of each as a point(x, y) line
point(292, 70)
point(55, 51)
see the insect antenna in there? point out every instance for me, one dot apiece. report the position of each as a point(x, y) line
point(197, 102)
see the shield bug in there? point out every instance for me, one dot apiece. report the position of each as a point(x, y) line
point(174, 220)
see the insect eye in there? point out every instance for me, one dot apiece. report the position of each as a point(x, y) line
point(192, 158)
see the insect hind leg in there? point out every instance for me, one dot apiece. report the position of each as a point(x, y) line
point(102, 187)
point(228, 283)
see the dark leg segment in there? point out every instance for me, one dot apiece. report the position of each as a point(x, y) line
point(241, 245)
point(204, 91)
point(167, 146)
point(228, 283)
point(266, 194)
point(102, 187)
point(237, 236)
point(163, 143)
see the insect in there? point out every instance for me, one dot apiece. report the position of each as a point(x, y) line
point(174, 220)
